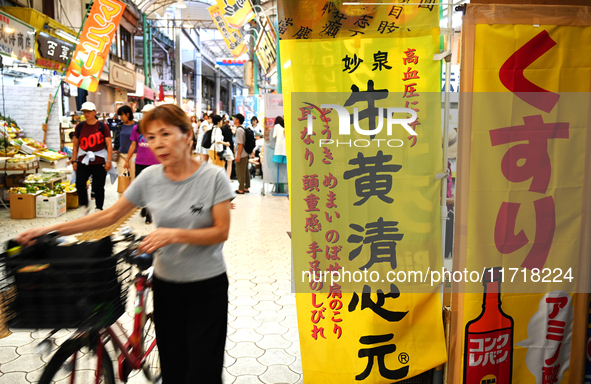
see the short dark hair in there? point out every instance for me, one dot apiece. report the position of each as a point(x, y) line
point(126, 109)
point(168, 113)
point(279, 120)
point(253, 119)
point(240, 117)
point(215, 119)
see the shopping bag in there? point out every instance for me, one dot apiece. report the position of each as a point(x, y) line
point(123, 181)
point(215, 158)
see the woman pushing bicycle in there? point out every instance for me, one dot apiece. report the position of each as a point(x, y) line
point(190, 202)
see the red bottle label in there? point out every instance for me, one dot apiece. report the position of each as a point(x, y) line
point(488, 357)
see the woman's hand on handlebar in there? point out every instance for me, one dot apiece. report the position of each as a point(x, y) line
point(28, 237)
point(159, 238)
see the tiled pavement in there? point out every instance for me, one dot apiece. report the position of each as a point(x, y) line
point(262, 344)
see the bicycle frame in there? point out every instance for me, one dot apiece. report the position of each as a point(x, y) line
point(131, 346)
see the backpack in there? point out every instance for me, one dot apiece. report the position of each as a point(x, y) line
point(206, 141)
point(249, 140)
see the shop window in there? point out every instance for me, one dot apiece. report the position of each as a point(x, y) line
point(126, 45)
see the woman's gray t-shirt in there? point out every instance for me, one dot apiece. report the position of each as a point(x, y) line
point(183, 204)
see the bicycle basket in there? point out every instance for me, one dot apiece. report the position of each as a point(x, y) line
point(81, 285)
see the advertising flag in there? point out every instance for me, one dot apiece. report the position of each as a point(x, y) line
point(92, 50)
point(523, 205)
point(362, 113)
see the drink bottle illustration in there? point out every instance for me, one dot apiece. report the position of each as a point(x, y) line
point(488, 348)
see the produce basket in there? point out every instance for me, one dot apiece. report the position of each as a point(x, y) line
point(81, 285)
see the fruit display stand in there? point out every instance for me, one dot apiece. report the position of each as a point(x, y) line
point(48, 179)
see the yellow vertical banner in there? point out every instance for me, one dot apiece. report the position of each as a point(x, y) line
point(522, 215)
point(232, 36)
point(363, 128)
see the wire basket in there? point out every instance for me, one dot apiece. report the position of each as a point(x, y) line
point(62, 289)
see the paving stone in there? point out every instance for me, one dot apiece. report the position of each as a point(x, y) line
point(288, 299)
point(267, 305)
point(24, 363)
point(269, 296)
point(270, 316)
point(246, 366)
point(34, 376)
point(245, 349)
point(239, 292)
point(292, 335)
point(244, 310)
point(294, 350)
point(228, 360)
point(245, 322)
point(245, 335)
point(228, 378)
point(271, 329)
point(289, 321)
point(296, 366)
point(7, 354)
point(273, 341)
point(13, 378)
point(244, 301)
point(276, 357)
point(279, 374)
point(17, 339)
point(247, 379)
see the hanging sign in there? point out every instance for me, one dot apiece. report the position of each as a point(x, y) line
point(236, 12)
point(54, 49)
point(266, 44)
point(16, 39)
point(364, 198)
point(92, 51)
point(232, 36)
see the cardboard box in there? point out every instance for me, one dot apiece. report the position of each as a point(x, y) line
point(72, 200)
point(51, 206)
point(22, 205)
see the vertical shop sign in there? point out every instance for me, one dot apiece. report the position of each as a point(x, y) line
point(524, 189)
point(92, 50)
point(17, 39)
point(363, 200)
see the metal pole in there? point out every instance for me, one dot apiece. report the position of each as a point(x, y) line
point(145, 36)
point(150, 37)
point(278, 62)
point(216, 107)
point(178, 61)
point(445, 135)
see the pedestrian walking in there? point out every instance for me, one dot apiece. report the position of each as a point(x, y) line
point(190, 200)
point(92, 150)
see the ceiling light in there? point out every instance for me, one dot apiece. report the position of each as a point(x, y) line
point(180, 4)
point(66, 36)
point(8, 30)
point(235, 81)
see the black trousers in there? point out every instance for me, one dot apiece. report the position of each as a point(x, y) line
point(191, 325)
point(99, 175)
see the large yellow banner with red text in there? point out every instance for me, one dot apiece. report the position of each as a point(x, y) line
point(370, 205)
point(525, 196)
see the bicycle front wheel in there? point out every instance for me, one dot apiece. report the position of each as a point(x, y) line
point(76, 359)
point(151, 367)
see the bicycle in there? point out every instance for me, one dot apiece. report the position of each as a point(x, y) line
point(85, 357)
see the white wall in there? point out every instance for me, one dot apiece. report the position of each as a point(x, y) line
point(28, 107)
point(70, 15)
